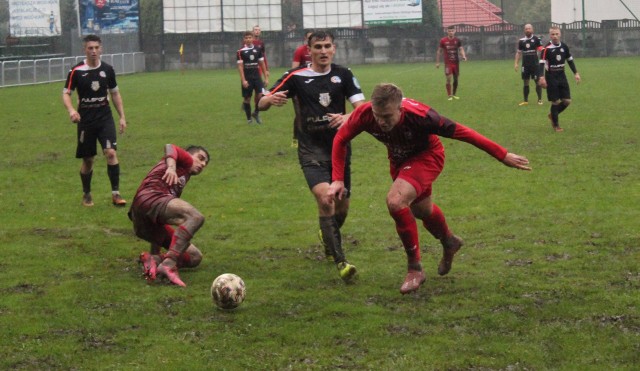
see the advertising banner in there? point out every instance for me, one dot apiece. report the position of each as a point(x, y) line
point(34, 18)
point(108, 16)
point(388, 12)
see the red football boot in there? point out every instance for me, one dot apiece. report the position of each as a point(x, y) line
point(412, 281)
point(149, 266)
point(171, 274)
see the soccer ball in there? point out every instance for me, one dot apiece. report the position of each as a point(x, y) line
point(228, 291)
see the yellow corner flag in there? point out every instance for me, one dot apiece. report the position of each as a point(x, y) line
point(181, 49)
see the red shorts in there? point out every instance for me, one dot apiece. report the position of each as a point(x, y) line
point(147, 223)
point(421, 171)
point(452, 69)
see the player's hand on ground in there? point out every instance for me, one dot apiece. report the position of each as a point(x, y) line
point(170, 176)
point(336, 120)
point(74, 116)
point(123, 125)
point(336, 190)
point(516, 161)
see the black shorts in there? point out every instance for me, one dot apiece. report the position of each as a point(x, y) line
point(320, 172)
point(529, 72)
point(103, 132)
point(557, 89)
point(255, 84)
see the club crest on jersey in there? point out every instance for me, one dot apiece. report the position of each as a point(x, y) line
point(102, 74)
point(558, 57)
point(325, 99)
point(95, 85)
point(528, 45)
point(335, 79)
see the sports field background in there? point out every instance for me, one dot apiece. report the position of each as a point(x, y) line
point(548, 278)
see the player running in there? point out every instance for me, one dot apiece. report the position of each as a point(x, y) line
point(552, 77)
point(410, 130)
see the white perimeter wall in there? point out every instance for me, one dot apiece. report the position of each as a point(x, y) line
point(568, 11)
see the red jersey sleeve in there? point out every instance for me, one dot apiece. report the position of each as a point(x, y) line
point(469, 135)
point(182, 157)
point(348, 131)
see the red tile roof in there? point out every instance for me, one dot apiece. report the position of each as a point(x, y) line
point(471, 12)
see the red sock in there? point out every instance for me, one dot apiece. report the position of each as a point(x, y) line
point(448, 89)
point(436, 223)
point(408, 231)
point(184, 260)
point(179, 243)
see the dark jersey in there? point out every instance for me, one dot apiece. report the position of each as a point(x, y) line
point(317, 95)
point(450, 47)
point(259, 44)
point(529, 47)
point(153, 187)
point(249, 56)
point(416, 132)
point(553, 59)
point(93, 86)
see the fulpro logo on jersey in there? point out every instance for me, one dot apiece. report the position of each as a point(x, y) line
point(325, 99)
point(336, 79)
point(95, 85)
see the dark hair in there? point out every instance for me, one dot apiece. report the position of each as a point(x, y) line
point(452, 27)
point(320, 35)
point(193, 149)
point(92, 37)
point(247, 33)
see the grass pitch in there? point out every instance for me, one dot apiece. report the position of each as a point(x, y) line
point(548, 278)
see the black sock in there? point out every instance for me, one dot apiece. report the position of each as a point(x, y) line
point(525, 93)
point(114, 176)
point(340, 219)
point(554, 114)
point(562, 107)
point(455, 85)
point(539, 91)
point(247, 110)
point(86, 181)
point(331, 237)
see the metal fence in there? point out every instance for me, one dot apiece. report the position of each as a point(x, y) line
point(38, 71)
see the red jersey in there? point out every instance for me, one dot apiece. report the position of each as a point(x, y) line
point(416, 133)
point(153, 187)
point(450, 47)
point(302, 55)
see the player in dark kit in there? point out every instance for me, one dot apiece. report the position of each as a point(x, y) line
point(250, 60)
point(552, 77)
point(450, 46)
point(157, 206)
point(528, 47)
point(410, 130)
point(321, 89)
point(95, 81)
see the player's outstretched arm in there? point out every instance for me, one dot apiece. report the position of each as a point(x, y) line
point(276, 99)
point(516, 161)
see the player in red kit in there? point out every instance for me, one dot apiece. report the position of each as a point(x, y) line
point(410, 130)
point(450, 46)
point(157, 207)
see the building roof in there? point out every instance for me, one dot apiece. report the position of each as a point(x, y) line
point(471, 12)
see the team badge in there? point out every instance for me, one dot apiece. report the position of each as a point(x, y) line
point(102, 74)
point(528, 45)
point(95, 85)
point(336, 79)
point(325, 99)
point(356, 83)
point(252, 57)
point(558, 57)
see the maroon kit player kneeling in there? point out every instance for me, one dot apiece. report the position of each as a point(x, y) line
point(157, 207)
point(410, 130)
